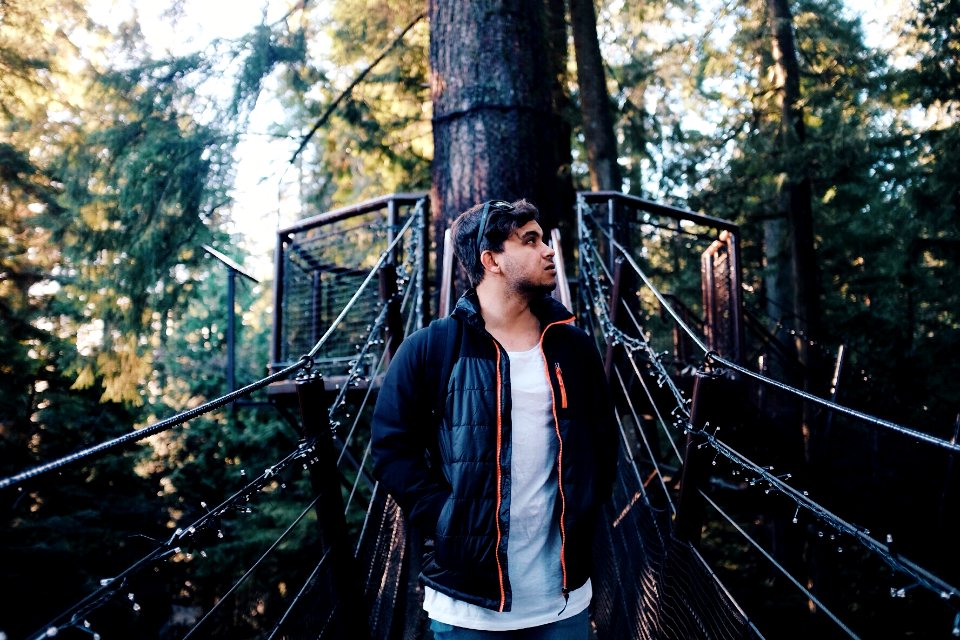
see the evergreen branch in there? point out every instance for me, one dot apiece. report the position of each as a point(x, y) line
point(363, 74)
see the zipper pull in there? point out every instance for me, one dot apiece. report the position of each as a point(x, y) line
point(563, 389)
point(566, 599)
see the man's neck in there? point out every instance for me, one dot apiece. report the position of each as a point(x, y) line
point(507, 317)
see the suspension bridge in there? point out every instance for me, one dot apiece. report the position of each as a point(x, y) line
point(738, 510)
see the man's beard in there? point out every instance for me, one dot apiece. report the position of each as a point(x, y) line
point(532, 290)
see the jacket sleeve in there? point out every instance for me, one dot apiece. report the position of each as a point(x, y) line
point(404, 432)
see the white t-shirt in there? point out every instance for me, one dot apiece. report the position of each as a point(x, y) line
point(533, 548)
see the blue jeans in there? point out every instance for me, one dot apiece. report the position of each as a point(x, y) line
point(575, 628)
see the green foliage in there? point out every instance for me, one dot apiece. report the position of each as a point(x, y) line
point(379, 140)
point(934, 38)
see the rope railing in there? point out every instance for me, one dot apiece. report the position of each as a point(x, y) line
point(207, 529)
point(780, 568)
point(305, 362)
point(193, 536)
point(19, 479)
point(802, 500)
point(713, 357)
point(594, 271)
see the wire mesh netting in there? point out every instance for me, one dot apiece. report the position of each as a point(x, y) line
point(674, 248)
point(720, 300)
point(779, 536)
point(648, 584)
point(383, 562)
point(359, 596)
point(323, 268)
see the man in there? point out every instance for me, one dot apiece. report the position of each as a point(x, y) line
point(504, 485)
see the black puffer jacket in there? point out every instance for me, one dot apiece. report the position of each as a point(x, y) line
point(453, 481)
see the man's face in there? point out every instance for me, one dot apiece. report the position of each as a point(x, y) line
point(527, 261)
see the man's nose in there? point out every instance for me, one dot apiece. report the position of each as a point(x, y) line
point(549, 251)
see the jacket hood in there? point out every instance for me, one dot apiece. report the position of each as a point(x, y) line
point(547, 309)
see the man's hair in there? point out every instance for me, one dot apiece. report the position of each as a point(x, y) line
point(502, 219)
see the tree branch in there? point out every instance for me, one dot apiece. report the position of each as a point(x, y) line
point(333, 105)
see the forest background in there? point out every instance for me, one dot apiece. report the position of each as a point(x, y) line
point(118, 161)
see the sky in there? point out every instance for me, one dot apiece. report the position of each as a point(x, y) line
point(263, 172)
point(262, 167)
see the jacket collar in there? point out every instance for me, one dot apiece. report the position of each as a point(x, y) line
point(546, 309)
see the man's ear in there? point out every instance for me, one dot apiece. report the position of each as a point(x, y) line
point(489, 262)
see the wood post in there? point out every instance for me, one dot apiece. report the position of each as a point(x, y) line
point(325, 481)
point(691, 505)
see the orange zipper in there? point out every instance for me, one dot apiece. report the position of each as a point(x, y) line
point(563, 390)
point(556, 426)
point(496, 551)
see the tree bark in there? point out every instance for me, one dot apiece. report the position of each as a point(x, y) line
point(594, 101)
point(563, 115)
point(795, 195)
point(494, 126)
point(801, 279)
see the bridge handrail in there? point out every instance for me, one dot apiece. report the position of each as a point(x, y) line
point(157, 427)
point(305, 362)
point(700, 435)
point(660, 209)
point(711, 357)
point(895, 561)
point(351, 211)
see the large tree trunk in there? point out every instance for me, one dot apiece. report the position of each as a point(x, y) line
point(563, 115)
point(594, 101)
point(494, 127)
point(796, 193)
point(800, 281)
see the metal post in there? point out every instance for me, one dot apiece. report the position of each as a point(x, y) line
point(231, 330)
point(709, 296)
point(424, 248)
point(393, 327)
point(736, 297)
point(232, 270)
point(614, 306)
point(277, 337)
point(691, 505)
point(392, 229)
point(612, 228)
point(447, 277)
point(316, 306)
